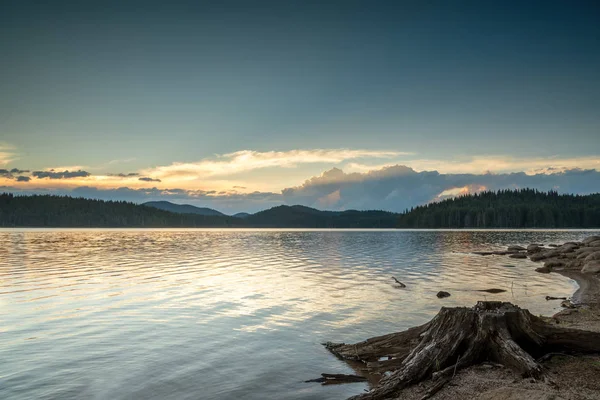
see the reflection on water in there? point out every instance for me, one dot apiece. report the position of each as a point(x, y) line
point(230, 314)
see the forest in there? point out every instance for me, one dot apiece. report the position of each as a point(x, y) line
point(64, 211)
point(523, 208)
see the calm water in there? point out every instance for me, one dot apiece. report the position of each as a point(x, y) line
point(213, 314)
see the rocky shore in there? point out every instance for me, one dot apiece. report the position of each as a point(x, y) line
point(565, 366)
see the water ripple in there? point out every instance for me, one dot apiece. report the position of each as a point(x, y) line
point(227, 314)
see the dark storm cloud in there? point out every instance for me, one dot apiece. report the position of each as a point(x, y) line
point(18, 171)
point(147, 179)
point(23, 178)
point(397, 188)
point(60, 175)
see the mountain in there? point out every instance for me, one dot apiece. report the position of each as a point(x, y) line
point(182, 208)
point(241, 215)
point(525, 208)
point(306, 217)
point(64, 211)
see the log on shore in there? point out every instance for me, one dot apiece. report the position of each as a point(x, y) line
point(457, 338)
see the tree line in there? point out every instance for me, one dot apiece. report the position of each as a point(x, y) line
point(523, 208)
point(65, 211)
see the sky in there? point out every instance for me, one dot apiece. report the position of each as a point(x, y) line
point(241, 105)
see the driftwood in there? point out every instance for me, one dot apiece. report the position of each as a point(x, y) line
point(459, 337)
point(402, 285)
point(330, 379)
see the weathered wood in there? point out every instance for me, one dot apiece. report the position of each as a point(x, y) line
point(402, 285)
point(457, 338)
point(330, 379)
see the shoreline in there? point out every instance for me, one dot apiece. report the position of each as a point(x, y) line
point(588, 292)
point(565, 373)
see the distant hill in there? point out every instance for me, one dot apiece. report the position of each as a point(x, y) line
point(525, 208)
point(241, 215)
point(64, 211)
point(182, 208)
point(306, 217)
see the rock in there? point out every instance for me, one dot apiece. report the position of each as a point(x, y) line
point(543, 255)
point(575, 264)
point(492, 290)
point(567, 247)
point(543, 270)
point(567, 304)
point(534, 248)
point(516, 248)
point(518, 255)
point(555, 298)
point(590, 239)
point(483, 253)
point(591, 267)
point(593, 256)
point(501, 252)
point(508, 266)
point(442, 294)
point(595, 243)
point(552, 245)
point(584, 252)
point(512, 393)
point(554, 264)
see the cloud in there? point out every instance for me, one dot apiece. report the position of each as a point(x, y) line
point(146, 179)
point(248, 160)
point(125, 175)
point(126, 160)
point(10, 174)
point(500, 164)
point(23, 179)
point(7, 154)
point(52, 174)
point(396, 188)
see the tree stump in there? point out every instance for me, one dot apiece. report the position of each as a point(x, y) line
point(460, 337)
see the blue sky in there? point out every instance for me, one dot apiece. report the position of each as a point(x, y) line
point(263, 96)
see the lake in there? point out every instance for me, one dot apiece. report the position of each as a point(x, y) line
point(232, 314)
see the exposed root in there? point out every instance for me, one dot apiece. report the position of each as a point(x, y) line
point(458, 338)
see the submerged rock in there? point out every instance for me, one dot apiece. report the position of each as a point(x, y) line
point(493, 290)
point(554, 264)
point(518, 255)
point(543, 270)
point(516, 248)
point(544, 255)
point(442, 294)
